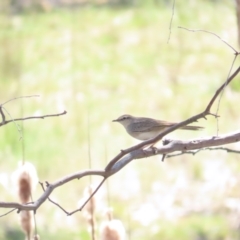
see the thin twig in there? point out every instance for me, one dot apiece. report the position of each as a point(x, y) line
point(50, 200)
point(58, 205)
point(170, 25)
point(204, 149)
point(199, 30)
point(19, 97)
point(8, 212)
point(12, 120)
point(221, 88)
point(93, 193)
point(220, 97)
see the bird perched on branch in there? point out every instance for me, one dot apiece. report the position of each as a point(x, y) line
point(143, 128)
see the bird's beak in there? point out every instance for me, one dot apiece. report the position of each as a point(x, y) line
point(115, 120)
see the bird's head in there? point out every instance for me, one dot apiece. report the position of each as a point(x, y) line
point(125, 119)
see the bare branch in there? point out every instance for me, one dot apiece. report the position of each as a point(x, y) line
point(172, 146)
point(33, 117)
point(135, 152)
point(132, 153)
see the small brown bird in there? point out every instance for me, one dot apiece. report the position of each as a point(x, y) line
point(143, 128)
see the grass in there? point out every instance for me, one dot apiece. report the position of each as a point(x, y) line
point(105, 62)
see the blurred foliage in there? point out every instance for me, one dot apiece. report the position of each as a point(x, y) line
point(21, 6)
point(98, 63)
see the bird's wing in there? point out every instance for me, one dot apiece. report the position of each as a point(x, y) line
point(149, 125)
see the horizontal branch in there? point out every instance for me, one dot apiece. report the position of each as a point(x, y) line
point(177, 145)
point(4, 122)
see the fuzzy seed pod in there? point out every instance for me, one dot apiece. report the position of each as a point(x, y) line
point(112, 229)
point(25, 177)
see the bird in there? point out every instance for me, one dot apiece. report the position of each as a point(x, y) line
point(143, 128)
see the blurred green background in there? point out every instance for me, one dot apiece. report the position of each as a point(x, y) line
point(98, 61)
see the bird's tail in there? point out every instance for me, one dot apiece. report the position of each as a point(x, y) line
point(194, 128)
